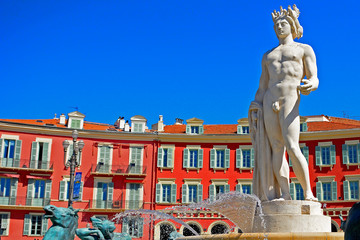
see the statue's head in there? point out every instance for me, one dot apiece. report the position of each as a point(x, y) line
point(105, 226)
point(286, 22)
point(63, 217)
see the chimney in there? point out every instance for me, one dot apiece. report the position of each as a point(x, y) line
point(161, 123)
point(62, 119)
point(127, 127)
point(122, 123)
point(179, 121)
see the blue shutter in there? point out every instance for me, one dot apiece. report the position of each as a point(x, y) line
point(173, 193)
point(238, 158)
point(62, 190)
point(318, 156)
point(252, 154)
point(170, 157)
point(158, 193)
point(26, 224)
point(34, 154)
point(188, 129)
point(44, 226)
point(227, 188)
point(186, 158)
point(292, 191)
point(184, 193)
point(201, 129)
point(332, 155)
point(199, 193)
point(305, 151)
point(334, 190)
point(345, 154)
point(17, 153)
point(212, 158)
point(200, 158)
point(319, 194)
point(238, 188)
point(346, 190)
point(212, 192)
point(227, 158)
point(160, 157)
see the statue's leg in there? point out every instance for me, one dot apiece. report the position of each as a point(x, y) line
point(290, 126)
point(280, 167)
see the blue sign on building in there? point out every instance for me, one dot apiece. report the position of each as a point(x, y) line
point(77, 183)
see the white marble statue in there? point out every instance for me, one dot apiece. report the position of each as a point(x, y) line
point(287, 70)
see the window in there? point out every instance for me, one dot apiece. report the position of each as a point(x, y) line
point(351, 153)
point(35, 225)
point(193, 157)
point(304, 151)
point(10, 150)
point(133, 226)
point(192, 192)
point(351, 187)
point(220, 157)
point(104, 158)
point(296, 191)
point(69, 154)
point(104, 195)
point(138, 127)
point(4, 224)
point(40, 154)
point(325, 155)
point(197, 129)
point(38, 192)
point(75, 123)
point(326, 190)
point(135, 165)
point(64, 190)
point(166, 157)
point(166, 192)
point(245, 157)
point(243, 129)
point(134, 196)
point(216, 189)
point(244, 186)
point(303, 127)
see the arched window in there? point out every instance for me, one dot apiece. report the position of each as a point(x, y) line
point(165, 230)
point(219, 229)
point(187, 232)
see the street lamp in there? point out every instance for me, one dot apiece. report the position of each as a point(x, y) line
point(72, 162)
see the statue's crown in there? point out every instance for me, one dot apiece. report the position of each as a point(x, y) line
point(292, 16)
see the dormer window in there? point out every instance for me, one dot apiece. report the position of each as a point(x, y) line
point(138, 124)
point(243, 126)
point(194, 126)
point(303, 124)
point(76, 120)
point(194, 129)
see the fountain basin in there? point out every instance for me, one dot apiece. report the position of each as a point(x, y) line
point(270, 236)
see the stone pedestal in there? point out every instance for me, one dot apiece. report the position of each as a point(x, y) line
point(291, 216)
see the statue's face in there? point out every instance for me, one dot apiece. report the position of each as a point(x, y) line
point(282, 28)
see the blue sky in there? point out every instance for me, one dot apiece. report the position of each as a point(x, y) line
point(181, 59)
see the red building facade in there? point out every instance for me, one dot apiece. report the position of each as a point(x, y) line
point(131, 167)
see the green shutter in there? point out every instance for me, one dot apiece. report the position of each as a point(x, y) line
point(345, 154)
point(290, 162)
point(332, 155)
point(334, 190)
point(292, 191)
point(170, 157)
point(227, 158)
point(305, 151)
point(212, 192)
point(319, 194)
point(158, 193)
point(107, 158)
point(238, 158)
point(138, 157)
point(62, 190)
point(173, 193)
point(201, 129)
point(140, 224)
point(13, 191)
point(81, 191)
point(44, 226)
point(125, 225)
point(318, 156)
point(188, 129)
point(199, 193)
point(110, 195)
point(133, 155)
point(45, 156)
point(184, 196)
point(30, 190)
point(186, 158)
point(47, 192)
point(304, 127)
point(212, 158)
point(17, 153)
point(200, 158)
point(160, 157)
point(34, 154)
point(1, 149)
point(358, 153)
point(239, 129)
point(227, 188)
point(238, 188)
point(99, 195)
point(251, 189)
point(346, 186)
point(26, 224)
point(252, 154)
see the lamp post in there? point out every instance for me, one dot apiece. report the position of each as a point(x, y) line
point(72, 162)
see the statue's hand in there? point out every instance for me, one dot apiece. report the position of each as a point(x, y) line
point(307, 87)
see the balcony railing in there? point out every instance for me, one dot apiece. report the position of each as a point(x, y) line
point(24, 201)
point(25, 164)
point(118, 169)
point(118, 204)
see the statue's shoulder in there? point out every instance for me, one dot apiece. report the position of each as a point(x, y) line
point(308, 50)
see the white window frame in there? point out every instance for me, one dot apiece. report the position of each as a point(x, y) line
point(321, 145)
point(45, 140)
point(30, 224)
point(326, 179)
point(66, 179)
point(69, 154)
point(295, 181)
point(194, 147)
point(168, 146)
point(192, 182)
point(76, 118)
point(127, 192)
point(245, 147)
point(221, 148)
point(352, 178)
point(240, 129)
point(351, 142)
point(7, 137)
point(165, 181)
point(6, 232)
point(219, 182)
point(111, 154)
point(243, 181)
point(96, 181)
point(142, 124)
